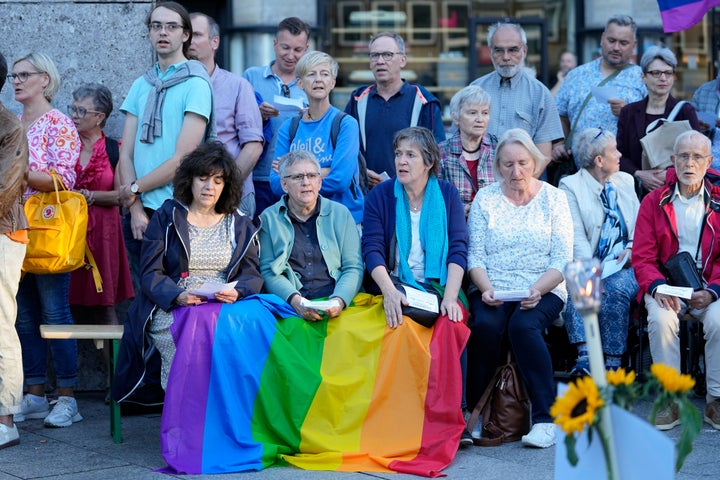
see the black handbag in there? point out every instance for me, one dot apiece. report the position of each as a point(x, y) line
point(682, 271)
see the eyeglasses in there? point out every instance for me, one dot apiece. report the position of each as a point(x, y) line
point(22, 76)
point(659, 73)
point(80, 112)
point(285, 90)
point(169, 27)
point(501, 52)
point(299, 177)
point(387, 56)
point(695, 157)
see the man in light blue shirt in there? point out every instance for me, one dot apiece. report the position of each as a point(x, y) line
point(518, 100)
point(579, 109)
point(167, 115)
point(237, 118)
point(277, 78)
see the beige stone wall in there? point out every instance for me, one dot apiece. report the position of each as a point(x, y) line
point(95, 41)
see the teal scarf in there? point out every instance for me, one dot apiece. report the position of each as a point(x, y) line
point(433, 233)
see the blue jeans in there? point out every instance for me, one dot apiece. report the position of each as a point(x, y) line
point(43, 299)
point(613, 317)
point(524, 330)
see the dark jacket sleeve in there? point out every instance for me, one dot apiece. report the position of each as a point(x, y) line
point(156, 284)
point(623, 133)
point(247, 273)
point(377, 227)
point(457, 227)
point(687, 112)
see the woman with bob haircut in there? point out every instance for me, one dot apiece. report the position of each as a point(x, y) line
point(316, 74)
point(196, 237)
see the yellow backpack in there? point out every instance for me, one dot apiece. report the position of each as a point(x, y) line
point(58, 225)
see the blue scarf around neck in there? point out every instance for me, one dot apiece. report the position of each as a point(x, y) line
point(433, 233)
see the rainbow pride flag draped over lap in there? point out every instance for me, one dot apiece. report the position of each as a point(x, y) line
point(252, 386)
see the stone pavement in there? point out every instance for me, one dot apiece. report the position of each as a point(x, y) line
point(85, 451)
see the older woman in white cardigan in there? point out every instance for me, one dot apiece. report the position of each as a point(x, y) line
point(604, 207)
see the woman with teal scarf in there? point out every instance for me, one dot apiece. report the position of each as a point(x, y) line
point(414, 232)
point(414, 229)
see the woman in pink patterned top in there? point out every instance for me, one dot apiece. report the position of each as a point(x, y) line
point(53, 143)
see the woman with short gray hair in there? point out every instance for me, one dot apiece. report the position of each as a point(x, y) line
point(658, 67)
point(95, 180)
point(604, 207)
point(467, 156)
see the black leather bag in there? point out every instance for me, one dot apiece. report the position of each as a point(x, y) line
point(426, 318)
point(682, 271)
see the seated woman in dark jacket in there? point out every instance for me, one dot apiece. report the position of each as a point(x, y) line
point(198, 236)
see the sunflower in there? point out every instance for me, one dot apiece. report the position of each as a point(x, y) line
point(578, 406)
point(620, 377)
point(670, 379)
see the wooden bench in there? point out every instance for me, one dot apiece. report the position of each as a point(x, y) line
point(98, 333)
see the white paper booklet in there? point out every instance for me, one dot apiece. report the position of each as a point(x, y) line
point(511, 295)
point(320, 305)
point(419, 299)
point(284, 104)
point(682, 292)
point(209, 289)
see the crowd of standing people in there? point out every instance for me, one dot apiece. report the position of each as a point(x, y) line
point(212, 184)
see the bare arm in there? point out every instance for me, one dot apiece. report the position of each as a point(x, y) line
point(449, 304)
point(248, 157)
point(546, 148)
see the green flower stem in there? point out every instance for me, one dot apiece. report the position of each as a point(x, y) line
point(608, 445)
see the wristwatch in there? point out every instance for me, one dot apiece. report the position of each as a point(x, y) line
point(134, 188)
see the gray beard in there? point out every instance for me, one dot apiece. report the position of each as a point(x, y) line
point(508, 72)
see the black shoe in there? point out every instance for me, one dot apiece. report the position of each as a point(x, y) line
point(465, 439)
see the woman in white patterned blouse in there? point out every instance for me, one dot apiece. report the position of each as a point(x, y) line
point(521, 235)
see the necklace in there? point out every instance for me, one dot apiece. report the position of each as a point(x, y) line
point(309, 116)
point(472, 151)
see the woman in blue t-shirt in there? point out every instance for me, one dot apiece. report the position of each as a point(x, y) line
point(316, 74)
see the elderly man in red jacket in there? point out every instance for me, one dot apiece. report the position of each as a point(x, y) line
point(682, 216)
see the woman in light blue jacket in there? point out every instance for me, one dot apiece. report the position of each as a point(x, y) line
point(309, 245)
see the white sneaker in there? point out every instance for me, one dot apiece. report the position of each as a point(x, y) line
point(32, 406)
point(9, 436)
point(64, 414)
point(542, 435)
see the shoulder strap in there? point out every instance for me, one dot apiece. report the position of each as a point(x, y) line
point(113, 151)
point(362, 101)
point(568, 140)
point(335, 129)
point(673, 113)
point(417, 106)
point(294, 124)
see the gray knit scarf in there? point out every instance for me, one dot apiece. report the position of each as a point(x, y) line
point(152, 116)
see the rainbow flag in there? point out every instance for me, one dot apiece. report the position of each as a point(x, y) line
point(252, 386)
point(680, 15)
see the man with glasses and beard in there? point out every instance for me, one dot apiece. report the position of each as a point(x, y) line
point(518, 100)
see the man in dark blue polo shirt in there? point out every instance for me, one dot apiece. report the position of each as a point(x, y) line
point(389, 105)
